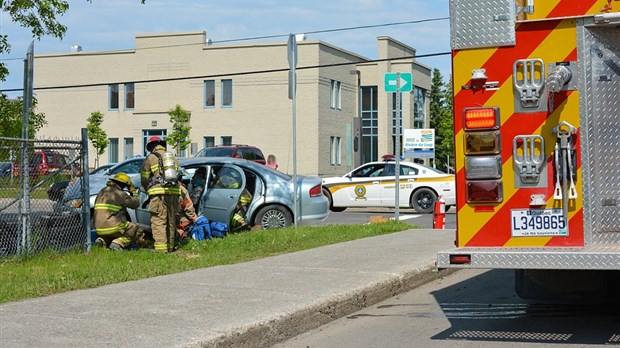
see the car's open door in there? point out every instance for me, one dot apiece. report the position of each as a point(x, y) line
point(222, 194)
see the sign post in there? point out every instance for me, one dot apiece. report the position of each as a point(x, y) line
point(291, 48)
point(397, 83)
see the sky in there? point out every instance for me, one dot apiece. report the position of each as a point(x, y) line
point(113, 25)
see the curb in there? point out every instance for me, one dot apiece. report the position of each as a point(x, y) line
point(288, 325)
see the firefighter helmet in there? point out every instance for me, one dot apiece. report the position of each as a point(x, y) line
point(229, 178)
point(154, 141)
point(122, 179)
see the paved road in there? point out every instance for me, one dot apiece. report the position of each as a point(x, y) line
point(362, 215)
point(470, 308)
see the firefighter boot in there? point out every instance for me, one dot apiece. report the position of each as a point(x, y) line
point(100, 243)
point(116, 247)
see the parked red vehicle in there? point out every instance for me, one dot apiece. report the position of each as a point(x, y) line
point(250, 153)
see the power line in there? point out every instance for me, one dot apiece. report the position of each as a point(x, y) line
point(267, 71)
point(287, 34)
point(337, 29)
point(7, 59)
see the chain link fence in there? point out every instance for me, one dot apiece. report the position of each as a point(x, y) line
point(34, 215)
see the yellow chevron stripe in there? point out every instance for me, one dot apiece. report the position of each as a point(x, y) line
point(542, 9)
point(556, 46)
point(474, 58)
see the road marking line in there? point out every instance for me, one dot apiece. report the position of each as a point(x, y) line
point(407, 217)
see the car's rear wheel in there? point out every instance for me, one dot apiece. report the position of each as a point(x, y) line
point(273, 216)
point(327, 194)
point(423, 200)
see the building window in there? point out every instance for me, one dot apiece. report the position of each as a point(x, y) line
point(113, 97)
point(209, 93)
point(209, 141)
point(113, 150)
point(147, 133)
point(128, 149)
point(339, 95)
point(419, 107)
point(129, 96)
point(336, 99)
point(369, 115)
point(227, 93)
point(226, 140)
point(336, 154)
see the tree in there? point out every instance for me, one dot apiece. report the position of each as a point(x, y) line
point(38, 15)
point(98, 137)
point(442, 120)
point(11, 111)
point(179, 138)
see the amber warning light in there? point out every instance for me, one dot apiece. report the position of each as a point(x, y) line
point(481, 118)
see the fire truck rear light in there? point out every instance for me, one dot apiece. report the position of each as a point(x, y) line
point(316, 191)
point(484, 191)
point(482, 143)
point(481, 118)
point(483, 167)
point(460, 259)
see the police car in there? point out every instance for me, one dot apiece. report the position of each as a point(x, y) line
point(373, 185)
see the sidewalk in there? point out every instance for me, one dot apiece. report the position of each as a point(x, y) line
point(252, 304)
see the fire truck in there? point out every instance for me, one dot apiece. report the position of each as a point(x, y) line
point(536, 88)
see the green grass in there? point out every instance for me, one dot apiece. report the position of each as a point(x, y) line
point(49, 273)
point(12, 192)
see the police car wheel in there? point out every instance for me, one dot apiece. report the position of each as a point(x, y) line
point(331, 206)
point(423, 200)
point(273, 216)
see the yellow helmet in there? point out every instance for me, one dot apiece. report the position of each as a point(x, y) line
point(122, 179)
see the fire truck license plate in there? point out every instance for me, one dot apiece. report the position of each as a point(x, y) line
point(538, 223)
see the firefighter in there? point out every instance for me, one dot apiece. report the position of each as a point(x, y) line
point(159, 180)
point(197, 186)
point(110, 217)
point(228, 178)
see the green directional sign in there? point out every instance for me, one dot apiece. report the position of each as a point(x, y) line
point(405, 79)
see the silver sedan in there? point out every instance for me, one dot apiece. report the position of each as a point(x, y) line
point(272, 199)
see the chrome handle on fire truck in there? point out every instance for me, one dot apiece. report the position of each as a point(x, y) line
point(564, 164)
point(528, 161)
point(530, 86)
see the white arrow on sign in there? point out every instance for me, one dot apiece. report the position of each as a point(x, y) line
point(403, 82)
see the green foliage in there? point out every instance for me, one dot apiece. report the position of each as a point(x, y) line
point(51, 273)
point(38, 15)
point(179, 138)
point(98, 137)
point(442, 121)
point(11, 118)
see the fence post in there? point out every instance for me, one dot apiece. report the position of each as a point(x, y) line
point(86, 189)
point(25, 178)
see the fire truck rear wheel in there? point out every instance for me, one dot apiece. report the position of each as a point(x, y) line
point(423, 200)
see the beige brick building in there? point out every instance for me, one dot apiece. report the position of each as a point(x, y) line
point(344, 117)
